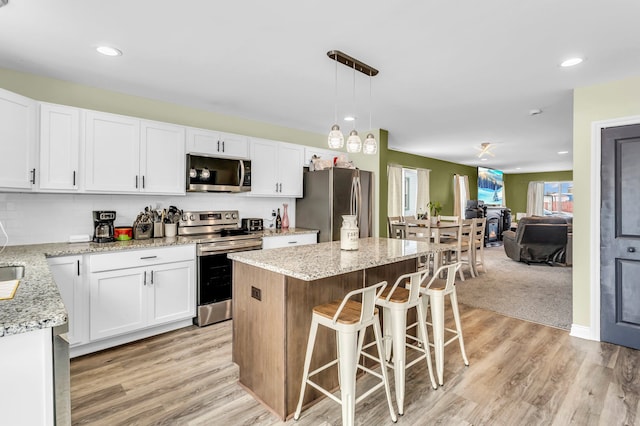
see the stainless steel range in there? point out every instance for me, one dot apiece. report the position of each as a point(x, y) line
point(216, 233)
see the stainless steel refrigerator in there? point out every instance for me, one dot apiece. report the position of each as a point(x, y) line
point(329, 194)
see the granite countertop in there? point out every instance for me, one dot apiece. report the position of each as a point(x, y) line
point(316, 261)
point(272, 232)
point(37, 303)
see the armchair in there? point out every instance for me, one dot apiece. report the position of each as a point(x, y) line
point(537, 239)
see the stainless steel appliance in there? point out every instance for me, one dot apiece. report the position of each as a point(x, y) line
point(331, 193)
point(212, 174)
point(103, 226)
point(252, 224)
point(216, 233)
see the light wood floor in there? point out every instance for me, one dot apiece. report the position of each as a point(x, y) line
point(520, 373)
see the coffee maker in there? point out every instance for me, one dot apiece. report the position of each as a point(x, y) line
point(103, 226)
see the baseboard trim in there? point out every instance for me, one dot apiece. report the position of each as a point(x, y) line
point(582, 332)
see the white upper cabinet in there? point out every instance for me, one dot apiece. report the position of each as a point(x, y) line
point(112, 153)
point(129, 155)
point(162, 158)
point(18, 141)
point(218, 144)
point(276, 168)
point(59, 147)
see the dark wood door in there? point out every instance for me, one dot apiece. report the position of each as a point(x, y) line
point(620, 236)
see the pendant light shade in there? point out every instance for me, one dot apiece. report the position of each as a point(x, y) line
point(336, 138)
point(370, 145)
point(354, 143)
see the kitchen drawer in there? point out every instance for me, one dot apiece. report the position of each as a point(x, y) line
point(289, 240)
point(136, 258)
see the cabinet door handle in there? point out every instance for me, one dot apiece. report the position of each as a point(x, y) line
point(293, 242)
point(280, 187)
point(33, 176)
point(276, 186)
point(222, 146)
point(136, 181)
point(142, 181)
point(78, 262)
point(74, 178)
point(218, 146)
point(151, 277)
point(144, 279)
point(148, 257)
point(631, 249)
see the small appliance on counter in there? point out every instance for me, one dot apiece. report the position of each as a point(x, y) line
point(103, 226)
point(123, 233)
point(252, 224)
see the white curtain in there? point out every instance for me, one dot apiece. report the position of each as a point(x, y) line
point(460, 194)
point(394, 200)
point(535, 199)
point(422, 200)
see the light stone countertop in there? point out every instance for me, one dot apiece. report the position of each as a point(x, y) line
point(37, 303)
point(316, 261)
point(273, 232)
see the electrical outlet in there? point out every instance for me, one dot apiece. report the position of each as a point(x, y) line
point(256, 293)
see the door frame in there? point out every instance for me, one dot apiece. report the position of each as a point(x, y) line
point(593, 331)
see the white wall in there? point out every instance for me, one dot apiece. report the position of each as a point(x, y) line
point(45, 218)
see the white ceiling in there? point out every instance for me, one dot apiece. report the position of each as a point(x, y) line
point(453, 74)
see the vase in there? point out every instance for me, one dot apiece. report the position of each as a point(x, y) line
point(285, 217)
point(349, 233)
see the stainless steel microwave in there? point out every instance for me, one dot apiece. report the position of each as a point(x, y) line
point(213, 174)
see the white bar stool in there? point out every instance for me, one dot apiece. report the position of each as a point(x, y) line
point(350, 320)
point(396, 302)
point(435, 297)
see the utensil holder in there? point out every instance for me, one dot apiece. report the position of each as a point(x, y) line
point(142, 231)
point(170, 229)
point(158, 230)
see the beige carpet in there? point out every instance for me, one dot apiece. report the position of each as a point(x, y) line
point(538, 292)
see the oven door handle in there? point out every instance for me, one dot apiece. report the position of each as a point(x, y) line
point(229, 248)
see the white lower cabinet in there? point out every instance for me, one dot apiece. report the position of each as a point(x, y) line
point(289, 240)
point(141, 289)
point(68, 274)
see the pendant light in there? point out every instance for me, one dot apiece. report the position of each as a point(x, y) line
point(336, 138)
point(354, 143)
point(370, 145)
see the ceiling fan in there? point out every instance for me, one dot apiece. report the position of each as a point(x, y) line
point(485, 148)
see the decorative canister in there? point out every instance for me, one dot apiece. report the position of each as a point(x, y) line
point(349, 233)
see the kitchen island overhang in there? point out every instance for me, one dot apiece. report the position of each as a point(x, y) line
point(274, 292)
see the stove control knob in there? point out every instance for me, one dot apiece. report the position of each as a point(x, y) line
point(227, 216)
point(234, 216)
point(192, 217)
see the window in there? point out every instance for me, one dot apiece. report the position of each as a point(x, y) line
point(410, 191)
point(558, 198)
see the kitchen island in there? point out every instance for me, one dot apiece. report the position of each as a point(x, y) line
point(274, 292)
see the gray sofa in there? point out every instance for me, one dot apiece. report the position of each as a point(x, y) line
point(538, 239)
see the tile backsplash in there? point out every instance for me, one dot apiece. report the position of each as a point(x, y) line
point(46, 218)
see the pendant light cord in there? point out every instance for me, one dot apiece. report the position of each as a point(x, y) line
point(370, 104)
point(335, 104)
point(354, 96)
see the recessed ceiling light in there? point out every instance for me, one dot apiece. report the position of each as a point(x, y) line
point(483, 159)
point(109, 51)
point(518, 168)
point(563, 152)
point(571, 62)
point(349, 118)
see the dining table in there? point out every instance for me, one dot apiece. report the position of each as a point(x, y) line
point(438, 231)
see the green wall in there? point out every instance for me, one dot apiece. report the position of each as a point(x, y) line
point(595, 103)
point(516, 186)
point(440, 179)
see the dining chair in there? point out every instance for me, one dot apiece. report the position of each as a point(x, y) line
point(444, 234)
point(392, 220)
point(420, 230)
point(477, 243)
point(460, 251)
